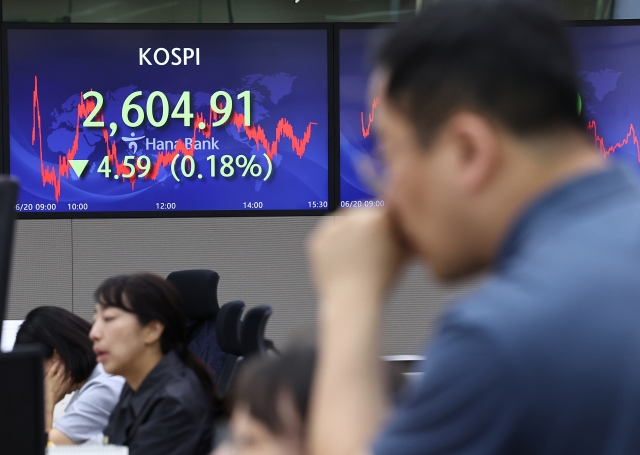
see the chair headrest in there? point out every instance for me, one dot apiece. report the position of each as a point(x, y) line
point(199, 292)
point(228, 327)
point(252, 331)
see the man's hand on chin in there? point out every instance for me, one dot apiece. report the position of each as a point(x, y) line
point(355, 258)
point(357, 252)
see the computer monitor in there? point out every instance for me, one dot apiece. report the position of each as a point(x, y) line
point(22, 402)
point(8, 198)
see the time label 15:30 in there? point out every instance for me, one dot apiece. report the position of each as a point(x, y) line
point(221, 102)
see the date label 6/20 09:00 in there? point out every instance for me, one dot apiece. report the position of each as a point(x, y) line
point(362, 203)
point(37, 207)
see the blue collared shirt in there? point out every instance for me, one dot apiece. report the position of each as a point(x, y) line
point(545, 357)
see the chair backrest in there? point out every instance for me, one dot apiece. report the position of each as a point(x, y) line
point(228, 326)
point(252, 331)
point(199, 292)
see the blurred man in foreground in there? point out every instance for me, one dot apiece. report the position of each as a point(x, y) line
point(489, 168)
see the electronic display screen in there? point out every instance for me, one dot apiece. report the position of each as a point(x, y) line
point(609, 99)
point(168, 120)
point(608, 73)
point(357, 141)
point(359, 162)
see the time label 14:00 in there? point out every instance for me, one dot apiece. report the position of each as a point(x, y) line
point(221, 104)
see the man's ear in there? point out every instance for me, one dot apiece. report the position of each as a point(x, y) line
point(478, 148)
point(153, 331)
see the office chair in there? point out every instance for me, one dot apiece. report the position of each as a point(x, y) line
point(199, 292)
point(252, 332)
point(228, 333)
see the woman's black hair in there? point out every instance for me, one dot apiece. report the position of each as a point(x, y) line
point(54, 328)
point(152, 298)
point(263, 380)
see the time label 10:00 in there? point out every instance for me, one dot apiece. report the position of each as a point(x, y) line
point(182, 110)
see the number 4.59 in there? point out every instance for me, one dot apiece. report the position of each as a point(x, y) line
point(142, 163)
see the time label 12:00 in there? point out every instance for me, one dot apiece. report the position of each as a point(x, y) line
point(182, 110)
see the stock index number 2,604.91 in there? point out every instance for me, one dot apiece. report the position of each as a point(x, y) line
point(182, 110)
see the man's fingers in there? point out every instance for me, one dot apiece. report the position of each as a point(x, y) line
point(358, 248)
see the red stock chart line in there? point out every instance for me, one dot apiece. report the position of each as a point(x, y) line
point(606, 151)
point(592, 126)
point(52, 175)
point(366, 130)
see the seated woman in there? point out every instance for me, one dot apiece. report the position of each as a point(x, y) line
point(168, 402)
point(70, 365)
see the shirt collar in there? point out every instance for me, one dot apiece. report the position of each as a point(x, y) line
point(97, 371)
point(583, 193)
point(162, 373)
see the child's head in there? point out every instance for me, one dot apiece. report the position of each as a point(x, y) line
point(271, 404)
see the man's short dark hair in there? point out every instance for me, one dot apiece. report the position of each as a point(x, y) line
point(511, 62)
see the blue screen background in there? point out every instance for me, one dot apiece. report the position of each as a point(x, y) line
point(354, 106)
point(608, 72)
point(285, 70)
